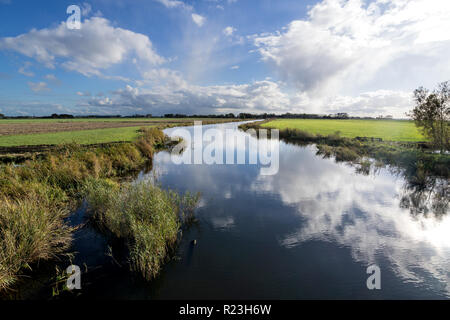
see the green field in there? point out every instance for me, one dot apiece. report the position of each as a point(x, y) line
point(12, 121)
point(388, 130)
point(89, 135)
point(80, 137)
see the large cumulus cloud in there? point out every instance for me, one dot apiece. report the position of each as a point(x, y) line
point(345, 46)
point(96, 46)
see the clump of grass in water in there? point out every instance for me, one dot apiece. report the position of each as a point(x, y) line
point(144, 216)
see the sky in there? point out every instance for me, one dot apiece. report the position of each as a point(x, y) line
point(219, 56)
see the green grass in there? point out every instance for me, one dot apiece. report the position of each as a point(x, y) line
point(396, 130)
point(91, 136)
point(144, 216)
point(402, 155)
point(35, 198)
point(31, 230)
point(80, 137)
point(13, 121)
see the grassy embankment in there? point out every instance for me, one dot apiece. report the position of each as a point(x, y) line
point(393, 143)
point(35, 199)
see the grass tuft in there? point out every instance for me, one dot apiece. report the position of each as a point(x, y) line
point(32, 229)
point(143, 216)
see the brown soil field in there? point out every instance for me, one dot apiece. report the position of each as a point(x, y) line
point(46, 127)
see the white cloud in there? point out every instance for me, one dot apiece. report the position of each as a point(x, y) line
point(83, 94)
point(345, 56)
point(177, 96)
point(52, 78)
point(172, 3)
point(38, 86)
point(198, 19)
point(24, 70)
point(104, 101)
point(348, 46)
point(382, 102)
point(166, 91)
point(228, 31)
point(86, 9)
point(97, 46)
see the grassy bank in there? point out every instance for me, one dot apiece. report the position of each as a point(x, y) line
point(35, 198)
point(387, 130)
point(416, 162)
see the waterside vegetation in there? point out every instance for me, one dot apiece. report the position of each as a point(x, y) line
point(36, 198)
point(417, 158)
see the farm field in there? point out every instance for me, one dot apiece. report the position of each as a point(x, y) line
point(38, 120)
point(81, 137)
point(29, 132)
point(10, 129)
point(388, 130)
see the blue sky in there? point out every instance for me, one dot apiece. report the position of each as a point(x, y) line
point(217, 56)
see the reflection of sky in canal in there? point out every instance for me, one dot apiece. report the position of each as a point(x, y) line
point(361, 212)
point(332, 203)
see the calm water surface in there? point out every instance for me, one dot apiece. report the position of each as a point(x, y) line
point(308, 232)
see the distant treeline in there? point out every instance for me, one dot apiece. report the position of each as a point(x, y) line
point(227, 116)
point(262, 116)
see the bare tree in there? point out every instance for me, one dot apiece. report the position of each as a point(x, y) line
point(432, 114)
